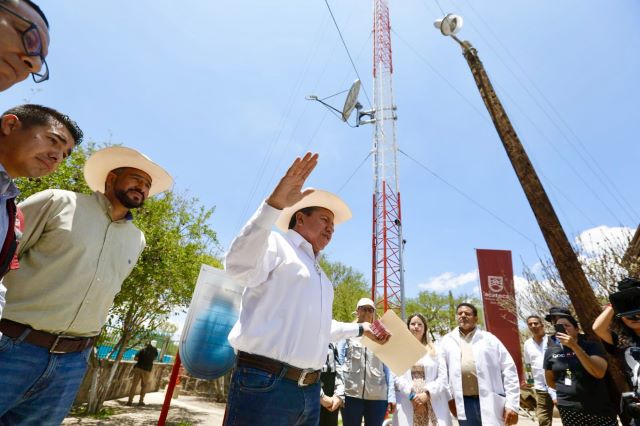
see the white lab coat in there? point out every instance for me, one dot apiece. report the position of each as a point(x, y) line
point(498, 382)
point(435, 376)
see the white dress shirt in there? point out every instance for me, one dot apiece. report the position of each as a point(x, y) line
point(534, 355)
point(286, 307)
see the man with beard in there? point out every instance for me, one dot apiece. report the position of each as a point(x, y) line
point(75, 252)
point(24, 42)
point(482, 375)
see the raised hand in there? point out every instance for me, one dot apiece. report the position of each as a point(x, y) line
point(288, 191)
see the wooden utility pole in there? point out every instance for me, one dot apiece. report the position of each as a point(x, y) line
point(569, 268)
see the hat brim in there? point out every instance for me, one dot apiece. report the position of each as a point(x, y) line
point(549, 316)
point(105, 160)
point(318, 198)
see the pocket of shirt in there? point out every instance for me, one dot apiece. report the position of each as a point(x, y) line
point(254, 380)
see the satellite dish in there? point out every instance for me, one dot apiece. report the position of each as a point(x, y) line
point(449, 25)
point(351, 101)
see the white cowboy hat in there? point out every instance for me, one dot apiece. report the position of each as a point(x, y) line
point(318, 198)
point(105, 160)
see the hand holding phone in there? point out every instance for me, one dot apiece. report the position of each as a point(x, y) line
point(560, 328)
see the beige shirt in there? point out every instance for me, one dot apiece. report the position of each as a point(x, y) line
point(73, 260)
point(468, 365)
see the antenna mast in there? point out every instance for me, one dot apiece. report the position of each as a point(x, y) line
point(387, 288)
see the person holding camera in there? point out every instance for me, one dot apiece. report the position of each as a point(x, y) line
point(576, 367)
point(619, 328)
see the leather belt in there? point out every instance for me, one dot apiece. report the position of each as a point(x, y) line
point(304, 377)
point(55, 343)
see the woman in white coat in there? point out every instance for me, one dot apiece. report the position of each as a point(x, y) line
point(422, 392)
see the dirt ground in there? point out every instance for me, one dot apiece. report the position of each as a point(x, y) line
point(184, 411)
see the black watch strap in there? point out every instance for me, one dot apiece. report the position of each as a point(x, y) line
point(360, 330)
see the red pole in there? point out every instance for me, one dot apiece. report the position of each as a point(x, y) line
point(170, 387)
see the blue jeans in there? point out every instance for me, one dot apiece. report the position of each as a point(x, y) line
point(471, 411)
point(355, 409)
point(36, 387)
point(257, 397)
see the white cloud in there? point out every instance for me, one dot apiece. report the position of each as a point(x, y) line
point(593, 240)
point(449, 281)
point(520, 284)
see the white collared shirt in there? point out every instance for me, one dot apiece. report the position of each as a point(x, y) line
point(286, 307)
point(534, 355)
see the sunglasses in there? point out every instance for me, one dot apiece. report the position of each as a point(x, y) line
point(635, 317)
point(367, 308)
point(32, 45)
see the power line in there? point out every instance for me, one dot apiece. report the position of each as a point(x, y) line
point(347, 50)
point(591, 165)
point(354, 172)
point(468, 197)
point(440, 7)
point(281, 127)
point(481, 113)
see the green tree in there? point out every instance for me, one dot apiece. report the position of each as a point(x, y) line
point(437, 309)
point(349, 286)
point(452, 311)
point(179, 239)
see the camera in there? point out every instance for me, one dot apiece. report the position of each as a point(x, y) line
point(626, 301)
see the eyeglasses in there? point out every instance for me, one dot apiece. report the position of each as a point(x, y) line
point(32, 45)
point(367, 308)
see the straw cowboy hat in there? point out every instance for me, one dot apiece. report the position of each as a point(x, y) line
point(102, 162)
point(318, 198)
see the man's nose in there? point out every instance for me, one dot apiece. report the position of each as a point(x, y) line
point(33, 63)
point(57, 156)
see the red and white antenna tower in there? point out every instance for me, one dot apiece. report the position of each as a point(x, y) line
point(387, 288)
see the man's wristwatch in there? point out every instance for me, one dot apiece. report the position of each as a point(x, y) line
point(360, 330)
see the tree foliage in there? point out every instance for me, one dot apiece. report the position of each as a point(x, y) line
point(603, 266)
point(179, 239)
point(439, 310)
point(349, 286)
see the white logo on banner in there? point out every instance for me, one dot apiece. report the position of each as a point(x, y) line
point(496, 284)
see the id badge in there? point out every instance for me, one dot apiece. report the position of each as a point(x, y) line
point(567, 378)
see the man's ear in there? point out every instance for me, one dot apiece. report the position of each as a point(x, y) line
point(9, 123)
point(299, 218)
point(110, 181)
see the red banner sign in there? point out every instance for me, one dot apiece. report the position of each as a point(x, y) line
point(498, 300)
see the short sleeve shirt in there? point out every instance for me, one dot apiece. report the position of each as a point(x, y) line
point(146, 356)
point(583, 391)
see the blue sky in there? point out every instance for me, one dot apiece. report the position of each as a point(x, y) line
point(215, 92)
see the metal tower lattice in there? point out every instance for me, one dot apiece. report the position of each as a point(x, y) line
point(387, 288)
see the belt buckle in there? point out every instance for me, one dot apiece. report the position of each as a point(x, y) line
point(303, 376)
point(52, 349)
